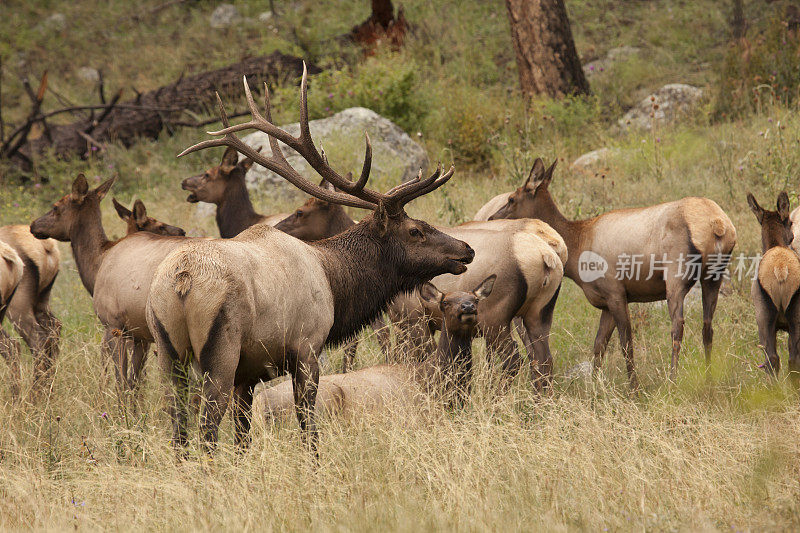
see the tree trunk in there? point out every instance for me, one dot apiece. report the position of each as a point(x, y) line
point(546, 57)
point(162, 108)
point(738, 22)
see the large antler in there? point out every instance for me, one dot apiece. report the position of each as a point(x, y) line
point(351, 193)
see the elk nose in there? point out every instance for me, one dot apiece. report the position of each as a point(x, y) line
point(470, 253)
point(468, 307)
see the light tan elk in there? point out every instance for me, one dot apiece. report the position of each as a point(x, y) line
point(117, 274)
point(776, 286)
point(674, 244)
point(527, 255)
point(224, 185)
point(233, 308)
point(448, 368)
point(29, 310)
point(10, 276)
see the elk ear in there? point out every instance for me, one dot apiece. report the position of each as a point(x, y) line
point(754, 207)
point(230, 158)
point(536, 176)
point(246, 163)
point(483, 290)
point(430, 294)
point(783, 205)
point(139, 213)
point(80, 188)
point(102, 189)
point(123, 212)
point(381, 219)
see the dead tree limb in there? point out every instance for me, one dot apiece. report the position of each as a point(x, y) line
point(150, 112)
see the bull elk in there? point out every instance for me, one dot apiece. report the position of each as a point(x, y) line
point(10, 276)
point(675, 244)
point(29, 311)
point(235, 307)
point(115, 273)
point(527, 255)
point(224, 185)
point(775, 288)
point(447, 370)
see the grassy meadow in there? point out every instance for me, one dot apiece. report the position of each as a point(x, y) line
point(717, 450)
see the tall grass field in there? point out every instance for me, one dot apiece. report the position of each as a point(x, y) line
point(718, 449)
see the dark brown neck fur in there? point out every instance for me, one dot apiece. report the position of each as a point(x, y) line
point(235, 213)
point(89, 243)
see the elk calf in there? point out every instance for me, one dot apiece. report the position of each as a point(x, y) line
point(636, 255)
point(447, 370)
point(774, 291)
point(224, 185)
point(29, 311)
point(10, 276)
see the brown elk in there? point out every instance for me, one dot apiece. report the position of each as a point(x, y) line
point(636, 255)
point(235, 307)
point(775, 288)
point(116, 273)
point(10, 276)
point(447, 370)
point(528, 256)
point(224, 185)
point(29, 311)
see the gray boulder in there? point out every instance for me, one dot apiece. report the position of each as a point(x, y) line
point(666, 105)
point(89, 74)
point(223, 16)
point(395, 157)
point(592, 159)
point(54, 22)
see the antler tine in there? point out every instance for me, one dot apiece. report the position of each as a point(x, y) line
point(405, 184)
point(433, 186)
point(410, 188)
point(276, 162)
point(366, 168)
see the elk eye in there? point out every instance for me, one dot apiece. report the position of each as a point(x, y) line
point(415, 232)
point(510, 200)
point(299, 213)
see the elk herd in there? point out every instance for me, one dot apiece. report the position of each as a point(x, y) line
point(268, 296)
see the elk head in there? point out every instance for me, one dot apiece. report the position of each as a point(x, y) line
point(530, 200)
point(316, 219)
point(415, 248)
point(211, 185)
point(74, 210)
point(459, 309)
point(137, 220)
point(776, 227)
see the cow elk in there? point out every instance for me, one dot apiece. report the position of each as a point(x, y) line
point(235, 307)
point(10, 276)
point(224, 185)
point(29, 311)
point(447, 370)
point(776, 285)
point(117, 273)
point(637, 255)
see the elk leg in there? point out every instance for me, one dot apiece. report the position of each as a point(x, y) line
point(33, 335)
point(50, 326)
point(243, 408)
point(349, 355)
point(304, 369)
point(767, 320)
point(710, 288)
point(218, 362)
point(500, 343)
point(177, 399)
point(538, 325)
point(140, 349)
point(794, 350)
point(114, 346)
point(604, 330)
point(677, 288)
point(619, 310)
point(9, 350)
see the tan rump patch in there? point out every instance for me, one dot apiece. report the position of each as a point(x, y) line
point(43, 253)
point(536, 259)
point(710, 229)
point(550, 236)
point(779, 275)
point(11, 271)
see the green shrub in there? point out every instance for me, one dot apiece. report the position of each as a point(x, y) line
point(760, 70)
